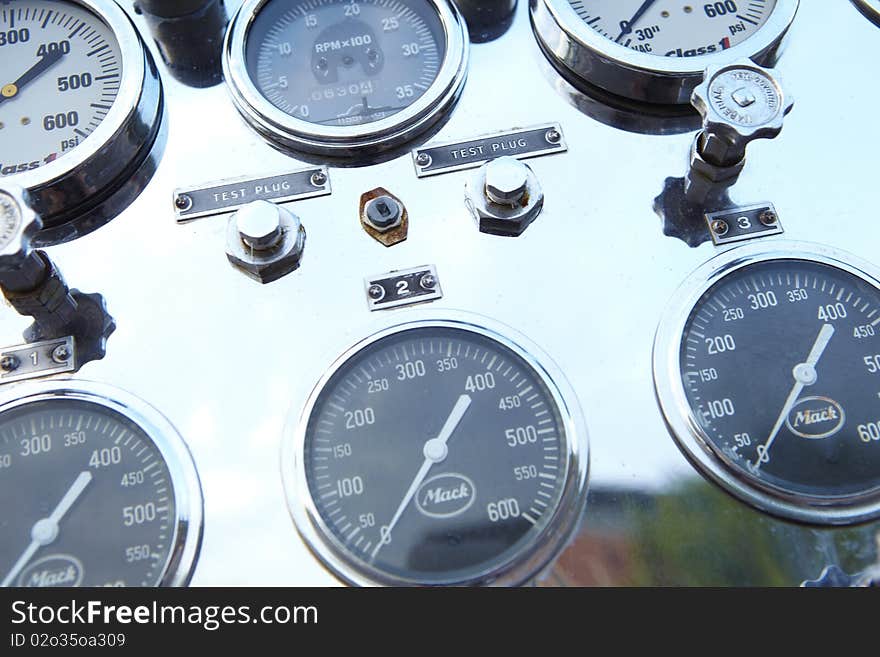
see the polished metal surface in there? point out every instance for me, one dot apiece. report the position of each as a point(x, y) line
point(230, 361)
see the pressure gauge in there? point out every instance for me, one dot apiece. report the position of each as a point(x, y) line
point(870, 8)
point(80, 110)
point(656, 51)
point(104, 490)
point(343, 77)
point(438, 452)
point(767, 369)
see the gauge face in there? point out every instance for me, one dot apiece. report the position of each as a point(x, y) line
point(435, 455)
point(780, 362)
point(95, 503)
point(62, 69)
point(675, 29)
point(345, 63)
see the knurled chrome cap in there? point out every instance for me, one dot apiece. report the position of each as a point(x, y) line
point(739, 102)
point(18, 225)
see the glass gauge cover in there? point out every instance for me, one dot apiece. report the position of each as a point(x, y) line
point(438, 453)
point(657, 51)
point(104, 492)
point(336, 76)
point(80, 109)
point(769, 376)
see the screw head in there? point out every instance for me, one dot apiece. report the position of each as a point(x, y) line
point(428, 282)
point(720, 227)
point(768, 218)
point(9, 363)
point(506, 180)
point(319, 179)
point(259, 225)
point(423, 160)
point(376, 292)
point(183, 202)
point(61, 354)
point(553, 136)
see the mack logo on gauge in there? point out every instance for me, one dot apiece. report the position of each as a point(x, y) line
point(446, 495)
point(53, 571)
point(816, 418)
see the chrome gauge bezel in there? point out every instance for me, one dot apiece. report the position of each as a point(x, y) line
point(870, 9)
point(187, 539)
point(92, 184)
point(590, 57)
point(681, 420)
point(518, 569)
point(290, 133)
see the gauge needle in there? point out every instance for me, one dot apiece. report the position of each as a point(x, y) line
point(10, 91)
point(435, 451)
point(804, 375)
point(627, 27)
point(45, 531)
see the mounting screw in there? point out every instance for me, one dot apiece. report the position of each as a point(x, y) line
point(319, 179)
point(61, 354)
point(183, 202)
point(376, 292)
point(423, 160)
point(428, 282)
point(720, 227)
point(553, 136)
point(768, 218)
point(9, 363)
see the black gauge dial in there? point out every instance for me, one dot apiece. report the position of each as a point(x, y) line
point(781, 367)
point(436, 455)
point(345, 62)
point(94, 500)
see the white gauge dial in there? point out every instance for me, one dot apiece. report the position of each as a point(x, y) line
point(673, 28)
point(61, 73)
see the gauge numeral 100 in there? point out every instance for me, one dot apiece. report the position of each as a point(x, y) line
point(715, 9)
point(36, 445)
point(105, 457)
point(350, 486)
point(720, 344)
point(721, 408)
point(869, 432)
point(503, 509)
point(480, 382)
point(60, 121)
point(11, 37)
point(139, 514)
point(521, 436)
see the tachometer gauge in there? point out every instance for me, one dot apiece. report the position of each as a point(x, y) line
point(80, 109)
point(338, 77)
point(438, 452)
point(870, 8)
point(767, 369)
point(656, 51)
point(98, 489)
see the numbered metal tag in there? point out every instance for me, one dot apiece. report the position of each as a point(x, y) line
point(745, 223)
point(403, 288)
point(37, 359)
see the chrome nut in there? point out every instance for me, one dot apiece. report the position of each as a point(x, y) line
point(265, 243)
point(497, 200)
point(717, 175)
